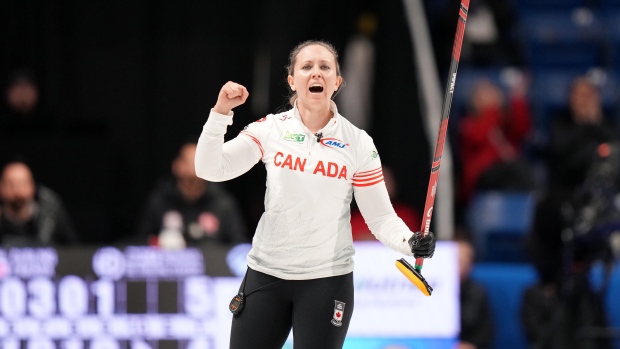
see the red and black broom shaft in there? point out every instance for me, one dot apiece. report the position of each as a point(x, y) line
point(443, 126)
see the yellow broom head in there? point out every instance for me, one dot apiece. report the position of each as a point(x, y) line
point(414, 276)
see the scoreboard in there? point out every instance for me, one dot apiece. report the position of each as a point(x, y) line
point(140, 297)
point(108, 298)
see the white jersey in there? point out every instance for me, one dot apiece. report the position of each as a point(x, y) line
point(305, 231)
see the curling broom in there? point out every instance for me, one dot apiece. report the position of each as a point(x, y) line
point(414, 274)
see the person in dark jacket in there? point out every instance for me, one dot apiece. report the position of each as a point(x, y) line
point(200, 211)
point(30, 213)
point(559, 310)
point(574, 142)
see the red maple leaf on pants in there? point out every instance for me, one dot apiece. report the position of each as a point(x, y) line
point(338, 314)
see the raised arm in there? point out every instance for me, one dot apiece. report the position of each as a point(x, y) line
point(215, 160)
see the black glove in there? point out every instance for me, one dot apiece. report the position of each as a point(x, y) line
point(422, 247)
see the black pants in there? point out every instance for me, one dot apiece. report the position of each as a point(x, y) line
point(318, 311)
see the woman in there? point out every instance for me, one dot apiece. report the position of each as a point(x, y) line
point(301, 263)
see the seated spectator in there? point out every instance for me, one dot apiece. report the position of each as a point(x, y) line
point(198, 210)
point(31, 214)
point(574, 140)
point(556, 311)
point(491, 138)
point(408, 214)
point(576, 135)
point(477, 329)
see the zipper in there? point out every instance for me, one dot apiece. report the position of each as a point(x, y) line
point(312, 143)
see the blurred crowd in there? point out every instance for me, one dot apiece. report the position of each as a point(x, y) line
point(533, 120)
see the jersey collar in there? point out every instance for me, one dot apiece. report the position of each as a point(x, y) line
point(331, 124)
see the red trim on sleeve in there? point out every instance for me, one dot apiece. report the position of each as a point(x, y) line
point(367, 184)
point(368, 178)
point(368, 173)
point(378, 169)
point(262, 152)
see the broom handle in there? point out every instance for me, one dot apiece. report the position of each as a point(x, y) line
point(443, 125)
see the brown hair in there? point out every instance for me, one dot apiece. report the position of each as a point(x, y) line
point(292, 59)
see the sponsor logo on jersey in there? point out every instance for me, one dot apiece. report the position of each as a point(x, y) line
point(338, 313)
point(294, 137)
point(374, 154)
point(333, 143)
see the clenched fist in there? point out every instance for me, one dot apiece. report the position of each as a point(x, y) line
point(231, 95)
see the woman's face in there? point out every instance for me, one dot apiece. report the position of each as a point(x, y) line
point(315, 77)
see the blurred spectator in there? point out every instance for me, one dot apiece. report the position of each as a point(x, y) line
point(491, 141)
point(477, 329)
point(575, 137)
point(31, 214)
point(22, 114)
point(191, 207)
point(408, 214)
point(489, 38)
point(563, 310)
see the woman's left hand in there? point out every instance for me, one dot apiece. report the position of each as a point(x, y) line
point(422, 246)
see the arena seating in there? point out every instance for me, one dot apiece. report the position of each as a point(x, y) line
point(506, 282)
point(499, 221)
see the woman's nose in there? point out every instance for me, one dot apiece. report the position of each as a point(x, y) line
point(316, 72)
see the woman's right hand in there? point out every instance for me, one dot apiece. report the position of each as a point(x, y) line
point(231, 95)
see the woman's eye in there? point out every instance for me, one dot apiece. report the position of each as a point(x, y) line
point(325, 67)
point(305, 67)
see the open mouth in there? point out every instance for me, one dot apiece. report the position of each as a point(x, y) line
point(316, 89)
